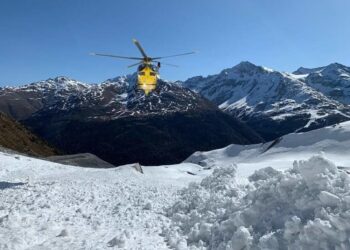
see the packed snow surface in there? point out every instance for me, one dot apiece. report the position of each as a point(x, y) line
point(293, 193)
point(44, 205)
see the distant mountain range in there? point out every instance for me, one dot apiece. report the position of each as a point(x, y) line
point(243, 104)
point(275, 103)
point(332, 80)
point(119, 123)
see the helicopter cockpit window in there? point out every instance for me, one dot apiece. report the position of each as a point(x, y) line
point(152, 73)
point(141, 73)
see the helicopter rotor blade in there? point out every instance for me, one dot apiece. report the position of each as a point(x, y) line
point(115, 56)
point(168, 64)
point(183, 54)
point(135, 64)
point(138, 45)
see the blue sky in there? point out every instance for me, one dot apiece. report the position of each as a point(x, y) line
point(41, 39)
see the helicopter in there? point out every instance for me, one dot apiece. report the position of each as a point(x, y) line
point(148, 67)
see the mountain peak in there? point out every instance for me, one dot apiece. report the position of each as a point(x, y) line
point(331, 67)
point(61, 79)
point(243, 68)
point(247, 66)
point(336, 67)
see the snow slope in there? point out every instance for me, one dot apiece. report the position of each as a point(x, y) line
point(45, 205)
point(332, 142)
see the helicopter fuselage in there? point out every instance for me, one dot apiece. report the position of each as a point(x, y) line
point(147, 77)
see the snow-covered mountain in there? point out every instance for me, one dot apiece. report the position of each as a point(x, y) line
point(240, 197)
point(118, 123)
point(21, 102)
point(332, 80)
point(271, 102)
point(116, 97)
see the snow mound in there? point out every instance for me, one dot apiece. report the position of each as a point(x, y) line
point(305, 207)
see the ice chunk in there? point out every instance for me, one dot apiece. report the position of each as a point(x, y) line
point(317, 172)
point(329, 199)
point(241, 239)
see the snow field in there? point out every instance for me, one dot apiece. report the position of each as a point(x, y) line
point(290, 196)
point(44, 205)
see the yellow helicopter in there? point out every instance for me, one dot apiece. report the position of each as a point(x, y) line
point(148, 67)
